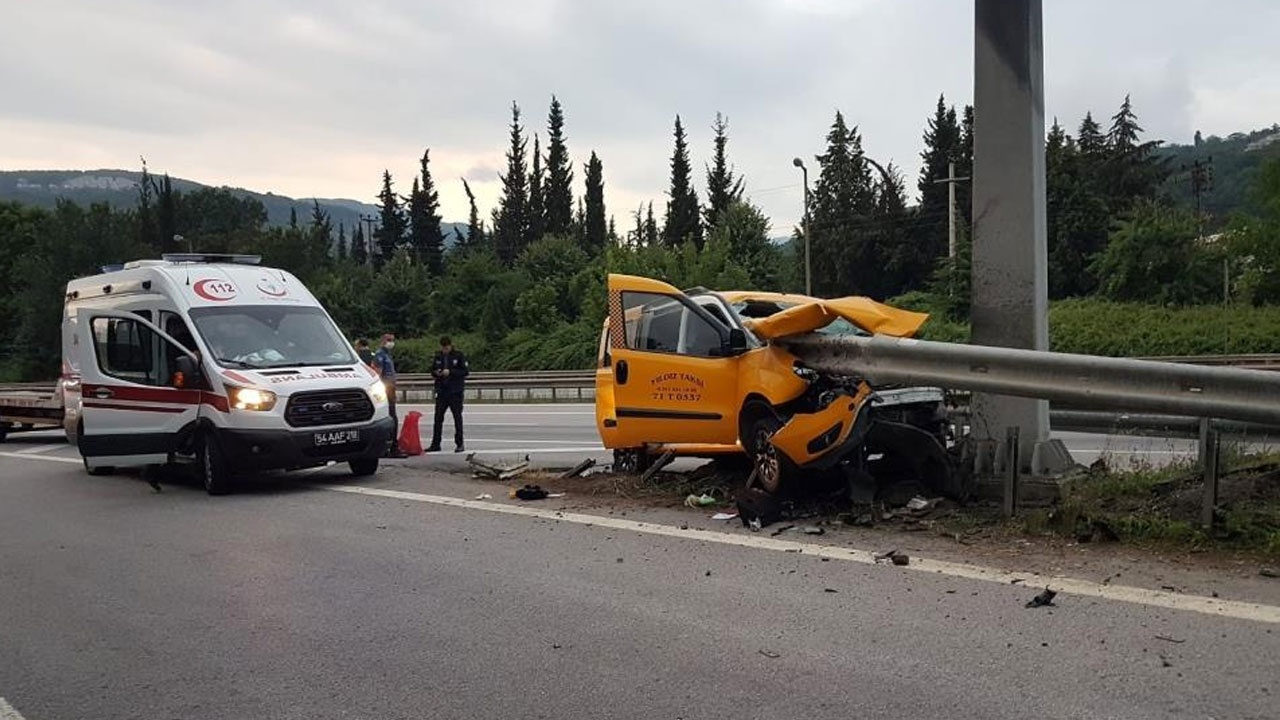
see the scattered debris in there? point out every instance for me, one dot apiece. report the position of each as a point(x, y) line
point(830, 590)
point(724, 516)
point(1164, 661)
point(484, 496)
point(497, 472)
point(918, 503)
point(530, 492)
point(555, 646)
point(755, 505)
point(1044, 599)
point(885, 555)
point(1169, 639)
point(813, 530)
point(1269, 572)
point(781, 530)
point(662, 461)
point(695, 501)
point(770, 654)
point(708, 573)
point(901, 559)
point(1168, 588)
point(578, 469)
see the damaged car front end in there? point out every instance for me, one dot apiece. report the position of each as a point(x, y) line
point(702, 373)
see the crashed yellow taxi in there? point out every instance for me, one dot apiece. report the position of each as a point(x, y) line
point(699, 373)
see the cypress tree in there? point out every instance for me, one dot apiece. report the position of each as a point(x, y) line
point(537, 199)
point(293, 218)
point(511, 223)
point(558, 193)
point(683, 220)
point(841, 206)
point(723, 188)
point(475, 226)
point(343, 248)
point(425, 236)
point(650, 228)
point(390, 232)
point(595, 231)
point(359, 246)
point(321, 229)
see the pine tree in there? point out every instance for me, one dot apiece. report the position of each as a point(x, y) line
point(1089, 139)
point(1123, 136)
point(683, 220)
point(558, 194)
point(964, 168)
point(841, 207)
point(359, 246)
point(1076, 208)
point(595, 231)
point(942, 145)
point(537, 195)
point(320, 230)
point(425, 237)
point(293, 218)
point(390, 233)
point(343, 249)
point(511, 223)
point(723, 188)
point(166, 214)
point(475, 226)
point(1133, 172)
point(650, 228)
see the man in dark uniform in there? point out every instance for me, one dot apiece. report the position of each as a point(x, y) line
point(450, 370)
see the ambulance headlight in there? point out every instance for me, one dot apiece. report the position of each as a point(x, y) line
point(250, 398)
point(378, 392)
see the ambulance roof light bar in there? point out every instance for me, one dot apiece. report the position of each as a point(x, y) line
point(232, 258)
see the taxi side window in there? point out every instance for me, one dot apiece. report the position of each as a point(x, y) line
point(660, 323)
point(124, 350)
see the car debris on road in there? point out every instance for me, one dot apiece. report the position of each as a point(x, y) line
point(497, 472)
point(1044, 599)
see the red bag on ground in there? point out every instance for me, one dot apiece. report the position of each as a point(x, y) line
point(410, 439)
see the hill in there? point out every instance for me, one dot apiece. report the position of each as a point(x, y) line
point(1234, 161)
point(119, 188)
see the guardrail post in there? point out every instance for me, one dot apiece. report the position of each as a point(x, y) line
point(1209, 465)
point(1012, 469)
point(553, 393)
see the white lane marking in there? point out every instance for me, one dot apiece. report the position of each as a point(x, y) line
point(28, 456)
point(1117, 451)
point(529, 441)
point(40, 449)
point(535, 451)
point(1155, 598)
point(8, 712)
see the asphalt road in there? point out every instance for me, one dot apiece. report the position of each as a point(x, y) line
point(394, 598)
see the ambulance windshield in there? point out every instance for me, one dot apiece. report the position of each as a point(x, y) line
point(270, 336)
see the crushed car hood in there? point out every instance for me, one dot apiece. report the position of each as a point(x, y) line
point(815, 314)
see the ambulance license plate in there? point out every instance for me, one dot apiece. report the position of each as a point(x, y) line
point(337, 437)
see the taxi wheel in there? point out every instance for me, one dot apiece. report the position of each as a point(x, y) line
point(214, 472)
point(631, 461)
point(772, 468)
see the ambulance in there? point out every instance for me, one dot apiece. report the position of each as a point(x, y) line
point(216, 362)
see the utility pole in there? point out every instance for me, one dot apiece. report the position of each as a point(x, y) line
point(1201, 183)
point(368, 235)
point(951, 181)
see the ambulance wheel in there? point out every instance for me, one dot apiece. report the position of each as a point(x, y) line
point(364, 467)
point(212, 464)
point(96, 471)
point(771, 467)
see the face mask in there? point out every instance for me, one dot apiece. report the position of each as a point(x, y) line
point(390, 345)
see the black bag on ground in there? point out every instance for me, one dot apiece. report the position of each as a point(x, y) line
point(756, 504)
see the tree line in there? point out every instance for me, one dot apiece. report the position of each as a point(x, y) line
point(524, 286)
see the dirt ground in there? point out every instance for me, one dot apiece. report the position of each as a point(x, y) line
point(974, 534)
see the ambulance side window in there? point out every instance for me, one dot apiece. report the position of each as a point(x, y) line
point(125, 349)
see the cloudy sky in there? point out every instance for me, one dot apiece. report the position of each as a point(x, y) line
point(315, 98)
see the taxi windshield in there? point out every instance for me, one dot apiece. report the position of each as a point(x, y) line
point(765, 308)
point(269, 336)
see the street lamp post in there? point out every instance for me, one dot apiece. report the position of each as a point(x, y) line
point(808, 281)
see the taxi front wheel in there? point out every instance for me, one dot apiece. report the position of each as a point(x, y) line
point(772, 468)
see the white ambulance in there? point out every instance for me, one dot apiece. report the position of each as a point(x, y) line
point(213, 360)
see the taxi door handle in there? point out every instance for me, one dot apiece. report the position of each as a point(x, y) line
point(103, 393)
point(620, 372)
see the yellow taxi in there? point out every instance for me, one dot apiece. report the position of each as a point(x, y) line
point(699, 373)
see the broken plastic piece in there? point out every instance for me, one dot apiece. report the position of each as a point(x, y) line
point(1044, 599)
point(724, 516)
point(484, 496)
point(694, 501)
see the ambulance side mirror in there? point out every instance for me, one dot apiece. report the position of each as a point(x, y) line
point(187, 374)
